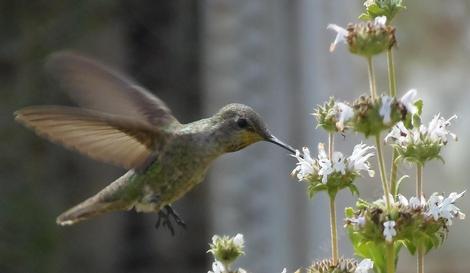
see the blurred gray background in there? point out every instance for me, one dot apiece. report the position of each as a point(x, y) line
point(198, 56)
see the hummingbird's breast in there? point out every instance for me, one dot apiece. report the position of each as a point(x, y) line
point(180, 166)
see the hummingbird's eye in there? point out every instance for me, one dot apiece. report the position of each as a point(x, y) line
point(242, 123)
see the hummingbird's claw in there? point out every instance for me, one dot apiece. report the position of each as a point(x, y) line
point(164, 219)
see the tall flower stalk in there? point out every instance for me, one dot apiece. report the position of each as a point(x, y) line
point(378, 138)
point(332, 197)
point(390, 249)
point(419, 194)
point(392, 85)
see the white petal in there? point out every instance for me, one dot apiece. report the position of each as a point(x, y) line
point(215, 238)
point(408, 101)
point(364, 266)
point(218, 267)
point(386, 109)
point(238, 240)
point(321, 151)
point(341, 35)
point(369, 3)
point(380, 21)
point(343, 114)
point(389, 230)
point(402, 200)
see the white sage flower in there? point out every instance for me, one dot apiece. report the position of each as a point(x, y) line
point(389, 231)
point(421, 144)
point(402, 201)
point(380, 21)
point(448, 210)
point(341, 35)
point(364, 266)
point(386, 108)
point(399, 134)
point(217, 267)
point(433, 206)
point(369, 3)
point(343, 113)
point(338, 163)
point(408, 101)
point(416, 203)
point(359, 221)
point(238, 240)
point(325, 164)
point(437, 129)
point(305, 165)
point(358, 160)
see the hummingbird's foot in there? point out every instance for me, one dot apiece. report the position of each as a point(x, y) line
point(164, 219)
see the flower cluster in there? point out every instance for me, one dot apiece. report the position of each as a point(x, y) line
point(420, 144)
point(332, 174)
point(365, 39)
point(342, 266)
point(332, 116)
point(444, 208)
point(371, 117)
point(414, 222)
point(367, 116)
point(225, 251)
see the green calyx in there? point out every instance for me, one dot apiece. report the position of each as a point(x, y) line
point(420, 152)
point(325, 116)
point(376, 8)
point(369, 39)
point(225, 250)
point(328, 266)
point(336, 182)
point(367, 118)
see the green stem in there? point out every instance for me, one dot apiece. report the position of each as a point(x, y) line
point(392, 82)
point(334, 232)
point(419, 180)
point(380, 156)
point(383, 175)
point(394, 174)
point(372, 86)
point(390, 258)
point(332, 196)
point(419, 193)
point(331, 144)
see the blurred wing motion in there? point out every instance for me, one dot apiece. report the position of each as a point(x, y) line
point(117, 140)
point(94, 86)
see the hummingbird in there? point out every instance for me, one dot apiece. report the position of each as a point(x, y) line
point(119, 122)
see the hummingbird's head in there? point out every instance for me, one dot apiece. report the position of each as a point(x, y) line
point(241, 126)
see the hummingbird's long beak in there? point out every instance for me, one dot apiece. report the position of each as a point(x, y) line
point(276, 141)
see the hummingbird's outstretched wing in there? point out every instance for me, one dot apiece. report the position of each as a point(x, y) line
point(94, 86)
point(114, 139)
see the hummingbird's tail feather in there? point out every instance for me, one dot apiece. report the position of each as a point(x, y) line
point(88, 209)
point(104, 201)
